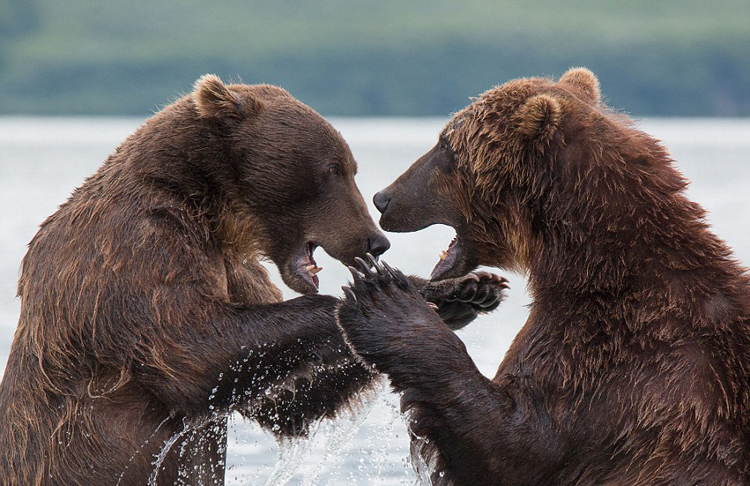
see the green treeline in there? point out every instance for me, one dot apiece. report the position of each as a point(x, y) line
point(375, 58)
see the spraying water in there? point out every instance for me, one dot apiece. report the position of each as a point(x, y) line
point(339, 435)
point(163, 454)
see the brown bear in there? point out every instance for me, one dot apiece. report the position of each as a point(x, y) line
point(146, 315)
point(634, 365)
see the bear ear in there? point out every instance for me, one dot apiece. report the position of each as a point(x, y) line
point(585, 81)
point(214, 100)
point(539, 117)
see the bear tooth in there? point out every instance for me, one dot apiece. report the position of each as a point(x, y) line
point(313, 269)
point(443, 255)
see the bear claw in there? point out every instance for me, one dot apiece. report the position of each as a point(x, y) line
point(349, 293)
point(375, 273)
point(356, 274)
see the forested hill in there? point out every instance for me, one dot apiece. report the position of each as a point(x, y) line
point(374, 58)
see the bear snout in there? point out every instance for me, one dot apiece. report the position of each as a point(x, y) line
point(377, 244)
point(381, 201)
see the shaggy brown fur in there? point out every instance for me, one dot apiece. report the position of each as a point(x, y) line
point(634, 365)
point(146, 315)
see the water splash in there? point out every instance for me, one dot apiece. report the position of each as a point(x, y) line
point(339, 435)
point(290, 455)
point(364, 446)
point(421, 467)
point(164, 451)
point(140, 449)
point(378, 446)
point(370, 447)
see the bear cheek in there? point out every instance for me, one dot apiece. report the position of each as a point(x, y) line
point(342, 232)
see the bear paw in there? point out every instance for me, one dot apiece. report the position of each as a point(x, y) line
point(375, 283)
point(382, 313)
point(460, 300)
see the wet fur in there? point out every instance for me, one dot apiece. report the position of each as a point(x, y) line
point(146, 315)
point(634, 365)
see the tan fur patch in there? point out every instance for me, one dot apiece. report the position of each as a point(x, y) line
point(539, 117)
point(585, 81)
point(214, 99)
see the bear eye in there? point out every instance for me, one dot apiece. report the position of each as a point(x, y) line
point(445, 146)
point(334, 169)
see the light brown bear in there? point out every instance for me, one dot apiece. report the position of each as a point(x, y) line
point(634, 365)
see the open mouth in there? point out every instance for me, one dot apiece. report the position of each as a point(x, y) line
point(305, 266)
point(456, 261)
point(447, 260)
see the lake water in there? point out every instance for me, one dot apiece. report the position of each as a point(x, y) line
point(43, 159)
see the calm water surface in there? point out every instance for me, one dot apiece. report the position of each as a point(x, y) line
point(43, 159)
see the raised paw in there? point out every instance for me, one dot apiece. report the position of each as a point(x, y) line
point(382, 312)
point(372, 280)
point(460, 300)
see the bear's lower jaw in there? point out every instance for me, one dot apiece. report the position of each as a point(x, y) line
point(300, 273)
point(454, 262)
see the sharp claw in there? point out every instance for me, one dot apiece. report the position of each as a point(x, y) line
point(487, 301)
point(373, 261)
point(349, 294)
point(387, 267)
point(366, 268)
point(356, 274)
point(361, 263)
point(469, 292)
point(483, 293)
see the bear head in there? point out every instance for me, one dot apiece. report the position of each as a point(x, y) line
point(492, 173)
point(286, 180)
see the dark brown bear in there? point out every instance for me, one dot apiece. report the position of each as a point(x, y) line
point(634, 365)
point(146, 316)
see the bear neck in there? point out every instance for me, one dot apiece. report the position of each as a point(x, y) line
point(622, 225)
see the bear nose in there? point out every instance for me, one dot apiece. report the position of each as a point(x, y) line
point(377, 245)
point(381, 201)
